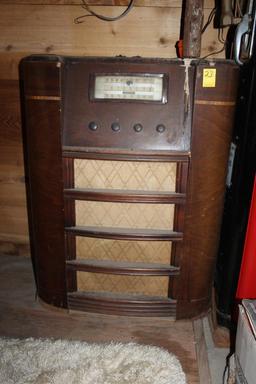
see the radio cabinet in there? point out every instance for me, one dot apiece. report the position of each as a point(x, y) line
point(126, 162)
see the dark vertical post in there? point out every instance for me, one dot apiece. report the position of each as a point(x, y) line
point(192, 26)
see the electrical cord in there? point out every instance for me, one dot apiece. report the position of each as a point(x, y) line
point(79, 19)
point(209, 20)
point(221, 37)
point(222, 40)
point(215, 52)
point(238, 10)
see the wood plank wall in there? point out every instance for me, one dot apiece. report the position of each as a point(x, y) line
point(47, 26)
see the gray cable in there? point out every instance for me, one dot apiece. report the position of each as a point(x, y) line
point(79, 20)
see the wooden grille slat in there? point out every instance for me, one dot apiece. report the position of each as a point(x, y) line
point(120, 154)
point(125, 233)
point(127, 196)
point(122, 267)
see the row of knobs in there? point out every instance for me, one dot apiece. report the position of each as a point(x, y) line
point(93, 126)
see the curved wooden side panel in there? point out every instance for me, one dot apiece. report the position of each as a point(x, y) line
point(213, 115)
point(42, 133)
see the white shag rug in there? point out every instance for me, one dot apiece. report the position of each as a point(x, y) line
point(38, 361)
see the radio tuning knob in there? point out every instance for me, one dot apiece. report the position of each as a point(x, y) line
point(138, 127)
point(93, 126)
point(115, 127)
point(160, 128)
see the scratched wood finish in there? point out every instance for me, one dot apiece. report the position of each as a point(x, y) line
point(81, 110)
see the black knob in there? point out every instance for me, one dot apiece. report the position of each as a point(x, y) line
point(160, 128)
point(138, 127)
point(93, 126)
point(115, 127)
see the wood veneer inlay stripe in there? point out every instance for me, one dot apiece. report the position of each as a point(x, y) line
point(216, 103)
point(42, 98)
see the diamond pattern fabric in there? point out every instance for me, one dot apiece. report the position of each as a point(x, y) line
point(125, 175)
point(121, 250)
point(140, 285)
point(157, 216)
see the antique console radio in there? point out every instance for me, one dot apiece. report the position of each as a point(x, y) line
point(126, 163)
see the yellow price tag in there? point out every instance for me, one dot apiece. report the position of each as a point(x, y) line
point(209, 78)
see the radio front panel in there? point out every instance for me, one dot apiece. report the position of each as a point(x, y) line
point(135, 105)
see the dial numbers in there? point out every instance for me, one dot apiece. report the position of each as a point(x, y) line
point(133, 87)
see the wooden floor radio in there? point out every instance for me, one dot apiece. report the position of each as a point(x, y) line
point(126, 164)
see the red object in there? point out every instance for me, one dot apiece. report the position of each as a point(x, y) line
point(247, 280)
point(180, 48)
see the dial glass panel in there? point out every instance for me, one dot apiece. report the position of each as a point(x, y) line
point(130, 87)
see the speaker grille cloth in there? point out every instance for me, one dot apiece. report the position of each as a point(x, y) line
point(124, 175)
point(120, 250)
point(157, 216)
point(145, 285)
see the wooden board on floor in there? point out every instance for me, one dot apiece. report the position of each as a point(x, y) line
point(201, 350)
point(22, 316)
point(222, 337)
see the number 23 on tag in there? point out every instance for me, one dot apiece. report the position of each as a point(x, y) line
point(209, 78)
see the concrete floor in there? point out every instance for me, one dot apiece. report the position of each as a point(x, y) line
point(217, 357)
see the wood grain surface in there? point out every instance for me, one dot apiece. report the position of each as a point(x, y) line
point(137, 3)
